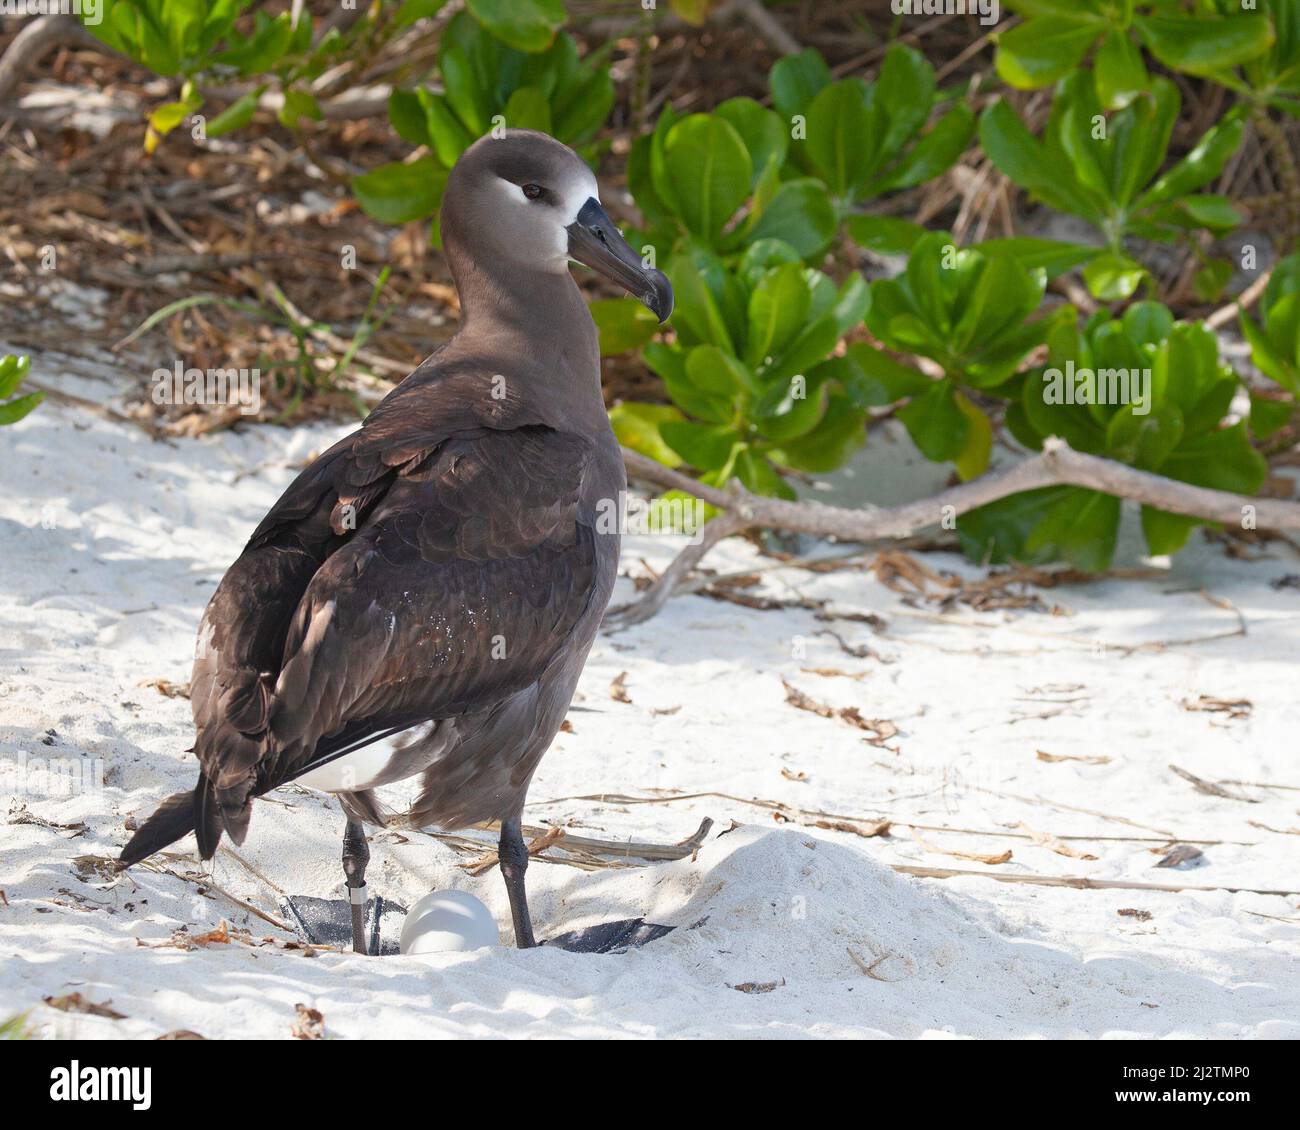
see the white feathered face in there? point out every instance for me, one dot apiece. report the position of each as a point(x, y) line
point(535, 203)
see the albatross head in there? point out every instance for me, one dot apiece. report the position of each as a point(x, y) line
point(531, 201)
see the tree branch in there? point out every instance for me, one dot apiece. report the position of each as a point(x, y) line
point(34, 42)
point(1057, 465)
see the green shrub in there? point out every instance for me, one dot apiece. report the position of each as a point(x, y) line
point(1106, 170)
point(715, 180)
point(189, 39)
point(753, 385)
point(970, 312)
point(1172, 423)
point(1057, 35)
point(1275, 347)
point(864, 139)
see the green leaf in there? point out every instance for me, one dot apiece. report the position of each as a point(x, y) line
point(670, 365)
point(801, 215)
point(1113, 278)
point(764, 136)
point(819, 336)
point(1268, 416)
point(973, 458)
point(840, 143)
point(778, 306)
point(1144, 441)
point(697, 309)
point(261, 51)
point(1215, 213)
point(636, 426)
point(704, 448)
point(999, 532)
point(789, 409)
point(527, 25)
point(903, 94)
point(298, 104)
point(528, 108)
point(406, 115)
point(579, 116)
point(694, 12)
point(1166, 533)
point(14, 410)
point(1200, 166)
point(623, 324)
point(1052, 407)
point(712, 371)
point(886, 235)
point(237, 115)
point(1200, 46)
point(1042, 50)
point(796, 80)
point(397, 193)
point(169, 115)
point(709, 170)
point(1222, 459)
point(1052, 256)
point(936, 423)
point(829, 445)
point(879, 380)
point(1268, 360)
point(760, 476)
point(12, 371)
point(1118, 70)
point(934, 153)
point(412, 10)
point(447, 133)
point(1012, 148)
point(1002, 297)
point(1212, 279)
point(1083, 529)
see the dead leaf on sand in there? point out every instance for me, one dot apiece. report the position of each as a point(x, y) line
point(1211, 704)
point(168, 688)
point(1084, 759)
point(618, 689)
point(880, 729)
point(973, 856)
point(1043, 839)
point(1209, 788)
point(308, 1024)
point(758, 986)
point(75, 1002)
point(867, 830)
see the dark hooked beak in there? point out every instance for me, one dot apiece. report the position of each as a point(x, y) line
point(596, 242)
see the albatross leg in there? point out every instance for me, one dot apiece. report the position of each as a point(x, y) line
point(513, 854)
point(356, 854)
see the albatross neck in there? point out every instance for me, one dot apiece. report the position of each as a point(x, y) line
point(537, 321)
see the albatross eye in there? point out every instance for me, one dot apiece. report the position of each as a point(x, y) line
point(533, 191)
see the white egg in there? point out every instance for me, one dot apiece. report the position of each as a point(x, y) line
point(448, 922)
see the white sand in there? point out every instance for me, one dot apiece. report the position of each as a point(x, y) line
point(108, 597)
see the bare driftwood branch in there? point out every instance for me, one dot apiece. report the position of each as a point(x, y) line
point(724, 525)
point(1056, 465)
point(34, 42)
point(1079, 882)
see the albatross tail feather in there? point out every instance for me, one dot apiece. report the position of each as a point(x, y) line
point(196, 811)
point(175, 817)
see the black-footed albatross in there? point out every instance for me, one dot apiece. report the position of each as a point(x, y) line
point(422, 598)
